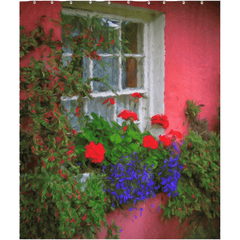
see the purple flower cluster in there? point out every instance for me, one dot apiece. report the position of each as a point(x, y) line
point(173, 169)
point(131, 182)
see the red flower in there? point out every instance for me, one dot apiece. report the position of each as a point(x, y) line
point(48, 114)
point(70, 196)
point(160, 120)
point(69, 152)
point(126, 114)
point(193, 196)
point(150, 142)
point(176, 134)
point(111, 100)
point(166, 140)
point(26, 220)
point(125, 128)
point(112, 42)
point(74, 132)
point(77, 109)
point(51, 158)
point(84, 217)
point(37, 210)
point(105, 199)
point(136, 95)
point(99, 58)
point(101, 39)
point(214, 199)
point(95, 152)
point(98, 44)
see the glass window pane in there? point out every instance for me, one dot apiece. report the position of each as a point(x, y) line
point(77, 30)
point(132, 73)
point(104, 110)
point(132, 37)
point(111, 26)
point(111, 69)
point(71, 106)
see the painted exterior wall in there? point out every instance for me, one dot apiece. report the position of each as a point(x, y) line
point(192, 72)
point(192, 59)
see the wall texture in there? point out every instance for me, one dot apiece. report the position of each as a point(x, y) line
point(192, 60)
point(192, 71)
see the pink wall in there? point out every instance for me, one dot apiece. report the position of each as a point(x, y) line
point(192, 60)
point(148, 225)
point(192, 71)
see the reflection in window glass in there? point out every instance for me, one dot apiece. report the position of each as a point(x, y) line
point(132, 35)
point(101, 71)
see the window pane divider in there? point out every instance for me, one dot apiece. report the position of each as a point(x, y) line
point(107, 94)
point(111, 55)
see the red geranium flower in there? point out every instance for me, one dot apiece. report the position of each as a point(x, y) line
point(127, 114)
point(125, 128)
point(111, 100)
point(150, 142)
point(166, 140)
point(95, 152)
point(136, 95)
point(160, 120)
point(176, 134)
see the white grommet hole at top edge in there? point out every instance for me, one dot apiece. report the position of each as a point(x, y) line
point(70, 2)
point(163, 2)
point(148, 2)
point(201, 2)
point(34, 2)
point(51, 2)
point(128, 2)
point(183, 2)
point(90, 2)
point(109, 2)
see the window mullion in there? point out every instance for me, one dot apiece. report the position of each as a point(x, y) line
point(120, 70)
point(120, 59)
point(91, 72)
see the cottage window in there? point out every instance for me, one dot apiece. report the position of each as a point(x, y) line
point(141, 71)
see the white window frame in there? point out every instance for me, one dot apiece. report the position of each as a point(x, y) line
point(153, 56)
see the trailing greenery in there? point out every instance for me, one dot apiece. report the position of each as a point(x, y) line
point(52, 202)
point(199, 185)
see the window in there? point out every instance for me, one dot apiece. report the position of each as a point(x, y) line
point(141, 71)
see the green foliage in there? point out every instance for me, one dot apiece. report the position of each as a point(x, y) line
point(192, 109)
point(52, 203)
point(199, 185)
point(115, 140)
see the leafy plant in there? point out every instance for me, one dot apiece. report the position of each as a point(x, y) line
point(199, 185)
point(52, 203)
point(115, 139)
